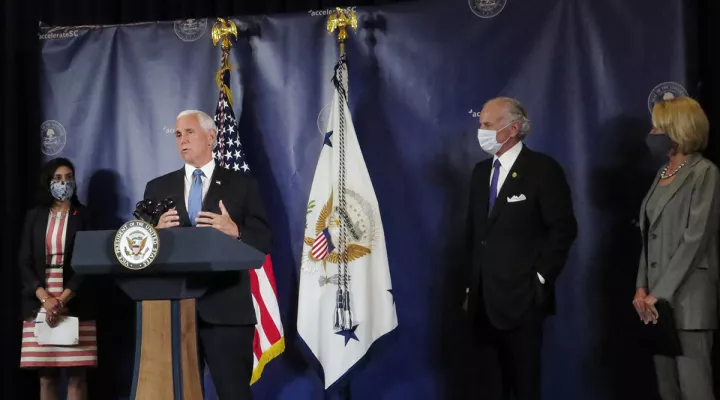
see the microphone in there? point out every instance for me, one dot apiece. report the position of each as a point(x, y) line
point(143, 210)
point(150, 210)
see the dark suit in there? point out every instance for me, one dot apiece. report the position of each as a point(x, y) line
point(506, 248)
point(32, 263)
point(226, 313)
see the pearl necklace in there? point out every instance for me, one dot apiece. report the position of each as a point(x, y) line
point(663, 174)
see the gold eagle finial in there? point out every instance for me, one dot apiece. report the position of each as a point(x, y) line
point(341, 20)
point(222, 31)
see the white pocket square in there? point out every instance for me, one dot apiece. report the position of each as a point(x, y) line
point(516, 198)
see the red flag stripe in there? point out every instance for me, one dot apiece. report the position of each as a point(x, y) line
point(266, 321)
point(268, 267)
point(256, 345)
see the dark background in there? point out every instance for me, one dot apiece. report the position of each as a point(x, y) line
point(19, 121)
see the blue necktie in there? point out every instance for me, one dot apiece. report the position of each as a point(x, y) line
point(494, 183)
point(195, 197)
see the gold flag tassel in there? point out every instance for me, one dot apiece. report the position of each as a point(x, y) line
point(221, 32)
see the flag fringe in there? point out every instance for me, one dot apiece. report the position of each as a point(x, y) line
point(267, 356)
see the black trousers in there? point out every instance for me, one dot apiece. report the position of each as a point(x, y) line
point(228, 351)
point(515, 354)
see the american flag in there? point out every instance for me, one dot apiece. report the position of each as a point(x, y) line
point(322, 246)
point(269, 339)
point(229, 151)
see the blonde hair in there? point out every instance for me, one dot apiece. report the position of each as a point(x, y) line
point(685, 123)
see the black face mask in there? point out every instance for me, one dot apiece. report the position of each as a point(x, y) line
point(659, 144)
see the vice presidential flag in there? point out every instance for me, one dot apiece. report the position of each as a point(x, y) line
point(345, 301)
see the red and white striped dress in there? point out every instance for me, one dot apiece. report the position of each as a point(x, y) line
point(34, 355)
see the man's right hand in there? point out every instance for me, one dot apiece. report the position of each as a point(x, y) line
point(169, 219)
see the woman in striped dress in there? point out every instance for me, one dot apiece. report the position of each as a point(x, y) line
point(49, 285)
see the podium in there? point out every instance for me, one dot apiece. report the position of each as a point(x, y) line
point(166, 353)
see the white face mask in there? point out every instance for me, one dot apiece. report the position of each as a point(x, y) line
point(488, 141)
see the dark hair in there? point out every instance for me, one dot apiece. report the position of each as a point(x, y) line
point(45, 198)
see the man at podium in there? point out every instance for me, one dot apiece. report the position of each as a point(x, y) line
point(212, 197)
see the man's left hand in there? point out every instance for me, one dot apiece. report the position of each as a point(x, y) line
point(221, 222)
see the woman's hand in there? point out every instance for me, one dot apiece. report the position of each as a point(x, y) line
point(51, 305)
point(52, 319)
point(651, 311)
point(639, 302)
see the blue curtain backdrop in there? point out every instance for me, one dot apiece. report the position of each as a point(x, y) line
point(419, 73)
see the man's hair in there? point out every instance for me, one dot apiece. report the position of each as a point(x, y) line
point(205, 121)
point(685, 123)
point(515, 112)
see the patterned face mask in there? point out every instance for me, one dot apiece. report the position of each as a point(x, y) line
point(62, 190)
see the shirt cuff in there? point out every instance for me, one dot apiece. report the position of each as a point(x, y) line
point(542, 280)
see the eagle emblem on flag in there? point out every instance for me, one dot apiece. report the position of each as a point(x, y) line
point(322, 248)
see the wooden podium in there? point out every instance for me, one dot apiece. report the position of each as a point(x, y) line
point(166, 352)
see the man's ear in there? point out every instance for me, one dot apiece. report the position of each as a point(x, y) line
point(213, 135)
point(516, 128)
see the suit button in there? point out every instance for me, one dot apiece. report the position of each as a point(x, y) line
point(653, 236)
point(653, 264)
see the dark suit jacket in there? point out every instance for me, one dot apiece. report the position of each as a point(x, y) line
point(32, 265)
point(507, 248)
point(228, 300)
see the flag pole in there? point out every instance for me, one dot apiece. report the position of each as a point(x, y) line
point(221, 32)
point(340, 20)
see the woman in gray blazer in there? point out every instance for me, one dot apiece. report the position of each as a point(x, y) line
point(679, 221)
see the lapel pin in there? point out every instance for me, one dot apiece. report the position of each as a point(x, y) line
point(514, 174)
point(218, 183)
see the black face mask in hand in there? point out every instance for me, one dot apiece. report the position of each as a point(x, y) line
point(659, 144)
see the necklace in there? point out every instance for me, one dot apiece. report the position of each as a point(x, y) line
point(665, 175)
point(58, 214)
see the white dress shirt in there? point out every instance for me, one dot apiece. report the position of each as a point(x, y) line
point(507, 159)
point(207, 170)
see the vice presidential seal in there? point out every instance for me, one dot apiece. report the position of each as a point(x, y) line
point(190, 30)
point(52, 137)
point(665, 91)
point(487, 8)
point(322, 249)
point(136, 244)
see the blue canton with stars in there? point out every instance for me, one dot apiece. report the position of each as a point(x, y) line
point(348, 334)
point(229, 152)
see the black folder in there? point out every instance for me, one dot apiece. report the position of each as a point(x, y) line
point(662, 337)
